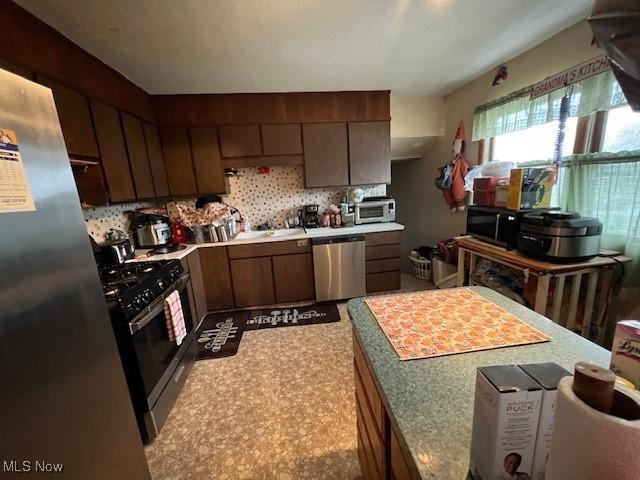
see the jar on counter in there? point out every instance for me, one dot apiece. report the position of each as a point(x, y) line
point(326, 219)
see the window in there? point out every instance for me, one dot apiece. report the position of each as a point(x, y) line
point(534, 143)
point(622, 130)
point(614, 131)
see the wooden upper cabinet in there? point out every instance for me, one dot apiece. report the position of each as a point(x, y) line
point(369, 153)
point(113, 152)
point(207, 161)
point(281, 139)
point(138, 158)
point(156, 162)
point(177, 160)
point(16, 69)
point(240, 141)
point(75, 119)
point(326, 158)
point(90, 184)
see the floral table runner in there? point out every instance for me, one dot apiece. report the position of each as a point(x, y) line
point(445, 322)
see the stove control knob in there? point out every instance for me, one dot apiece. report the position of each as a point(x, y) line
point(139, 301)
point(161, 283)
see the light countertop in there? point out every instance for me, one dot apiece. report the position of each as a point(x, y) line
point(430, 401)
point(274, 236)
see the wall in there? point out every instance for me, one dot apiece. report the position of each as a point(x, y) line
point(416, 116)
point(568, 48)
point(262, 197)
point(99, 220)
point(259, 197)
point(411, 185)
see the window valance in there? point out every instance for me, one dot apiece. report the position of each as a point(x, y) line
point(516, 112)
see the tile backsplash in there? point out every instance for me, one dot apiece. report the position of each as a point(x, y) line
point(258, 196)
point(262, 197)
point(99, 220)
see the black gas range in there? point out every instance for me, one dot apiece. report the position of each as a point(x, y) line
point(155, 367)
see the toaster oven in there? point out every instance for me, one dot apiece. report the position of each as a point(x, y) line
point(375, 211)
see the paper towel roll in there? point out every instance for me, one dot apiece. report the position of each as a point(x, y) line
point(590, 445)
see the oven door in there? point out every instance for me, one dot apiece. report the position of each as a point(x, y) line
point(156, 355)
point(370, 212)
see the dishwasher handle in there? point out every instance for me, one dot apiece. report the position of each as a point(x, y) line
point(340, 239)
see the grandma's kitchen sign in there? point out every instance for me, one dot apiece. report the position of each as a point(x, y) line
point(573, 75)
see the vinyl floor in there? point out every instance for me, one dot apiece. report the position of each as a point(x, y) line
point(282, 408)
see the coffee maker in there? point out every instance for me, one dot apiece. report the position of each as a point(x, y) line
point(310, 216)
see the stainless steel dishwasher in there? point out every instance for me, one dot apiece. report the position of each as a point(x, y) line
point(339, 267)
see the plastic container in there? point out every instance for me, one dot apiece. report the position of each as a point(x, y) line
point(441, 270)
point(421, 267)
point(450, 281)
point(502, 196)
point(483, 198)
point(498, 169)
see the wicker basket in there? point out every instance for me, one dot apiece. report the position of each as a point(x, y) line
point(421, 267)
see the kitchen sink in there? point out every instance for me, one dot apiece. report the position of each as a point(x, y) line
point(283, 232)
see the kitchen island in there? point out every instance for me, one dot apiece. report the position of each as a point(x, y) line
point(422, 409)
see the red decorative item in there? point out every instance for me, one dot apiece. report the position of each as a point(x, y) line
point(264, 170)
point(484, 190)
point(501, 76)
point(456, 194)
point(179, 233)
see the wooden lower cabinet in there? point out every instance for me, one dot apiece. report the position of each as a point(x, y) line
point(252, 280)
point(382, 253)
point(197, 285)
point(216, 278)
point(399, 468)
point(274, 272)
point(293, 277)
point(379, 451)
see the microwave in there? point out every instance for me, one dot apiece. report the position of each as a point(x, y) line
point(375, 211)
point(495, 225)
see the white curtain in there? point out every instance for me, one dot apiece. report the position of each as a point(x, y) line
point(607, 186)
point(516, 112)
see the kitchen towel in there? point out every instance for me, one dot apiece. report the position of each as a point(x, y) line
point(446, 322)
point(175, 317)
point(590, 445)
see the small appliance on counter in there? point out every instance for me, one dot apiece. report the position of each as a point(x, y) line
point(375, 210)
point(116, 249)
point(310, 216)
point(559, 236)
point(115, 252)
point(178, 233)
point(495, 225)
point(151, 230)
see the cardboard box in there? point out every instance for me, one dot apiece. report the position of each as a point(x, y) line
point(530, 188)
point(506, 412)
point(625, 351)
point(548, 376)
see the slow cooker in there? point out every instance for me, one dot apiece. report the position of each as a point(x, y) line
point(559, 236)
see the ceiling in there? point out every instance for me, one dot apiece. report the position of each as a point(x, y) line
point(413, 47)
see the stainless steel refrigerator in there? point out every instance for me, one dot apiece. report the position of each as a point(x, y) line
point(63, 399)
